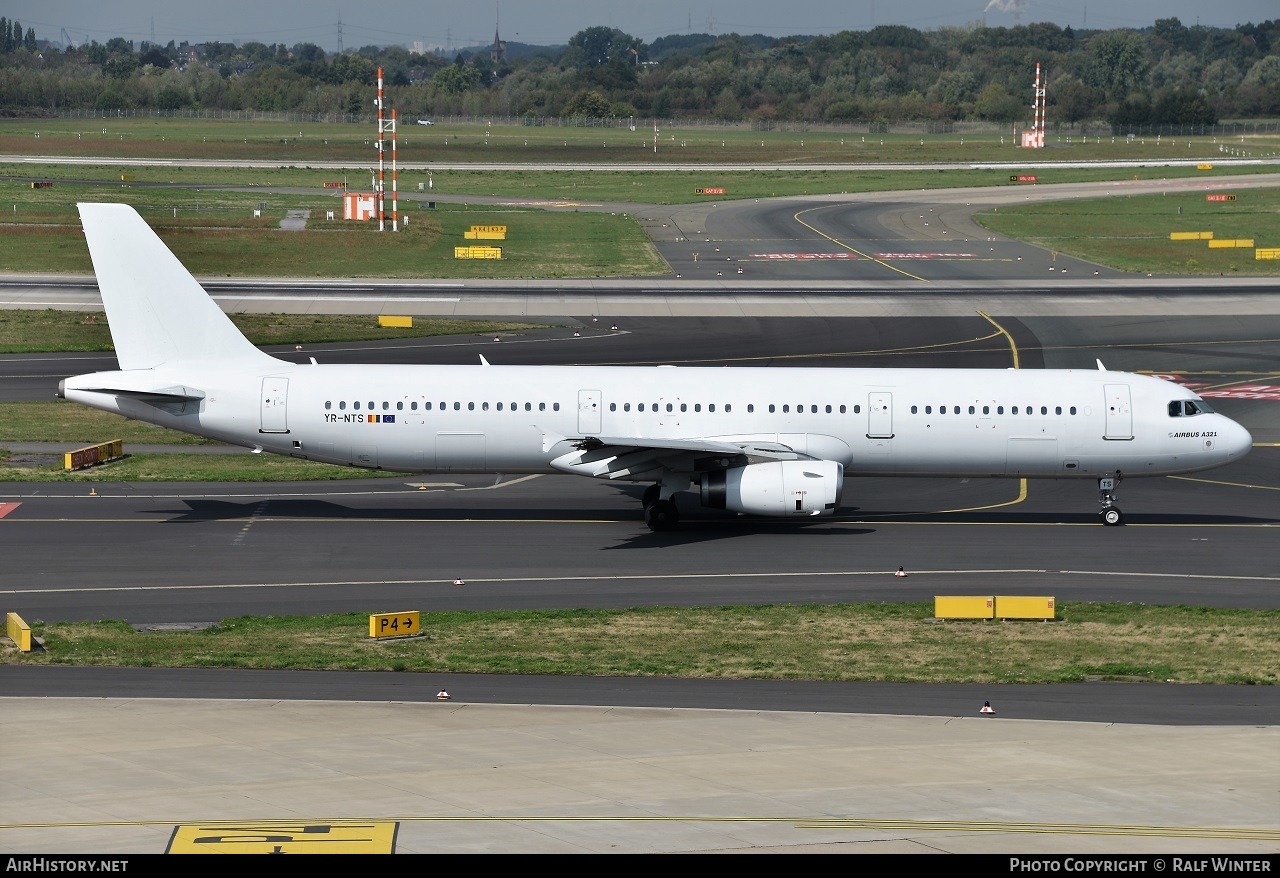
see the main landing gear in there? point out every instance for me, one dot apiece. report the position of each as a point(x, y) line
point(1110, 513)
point(659, 514)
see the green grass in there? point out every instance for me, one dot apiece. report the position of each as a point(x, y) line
point(871, 642)
point(179, 467)
point(212, 189)
point(49, 330)
point(1133, 233)
point(62, 421)
point(295, 142)
point(47, 238)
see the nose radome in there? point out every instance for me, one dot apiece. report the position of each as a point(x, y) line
point(1238, 440)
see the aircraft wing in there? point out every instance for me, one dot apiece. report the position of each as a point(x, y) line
point(631, 457)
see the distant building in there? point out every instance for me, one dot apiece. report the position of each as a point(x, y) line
point(188, 52)
point(498, 51)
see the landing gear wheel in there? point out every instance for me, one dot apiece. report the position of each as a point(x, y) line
point(650, 495)
point(1111, 516)
point(661, 515)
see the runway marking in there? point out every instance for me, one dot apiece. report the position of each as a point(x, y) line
point(6, 508)
point(839, 243)
point(395, 492)
point(635, 577)
point(1227, 484)
point(627, 519)
point(254, 516)
point(1013, 346)
point(799, 822)
point(913, 349)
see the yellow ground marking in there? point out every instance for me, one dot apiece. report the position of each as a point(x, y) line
point(1250, 380)
point(285, 837)
point(1227, 484)
point(912, 349)
point(643, 577)
point(1013, 346)
point(840, 243)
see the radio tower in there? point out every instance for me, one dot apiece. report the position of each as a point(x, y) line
point(1037, 128)
point(384, 126)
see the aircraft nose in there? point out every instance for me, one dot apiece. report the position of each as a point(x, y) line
point(1236, 440)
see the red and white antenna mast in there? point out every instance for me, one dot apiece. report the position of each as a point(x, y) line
point(381, 177)
point(395, 209)
point(384, 126)
point(1037, 130)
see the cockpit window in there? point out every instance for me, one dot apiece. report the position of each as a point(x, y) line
point(1185, 408)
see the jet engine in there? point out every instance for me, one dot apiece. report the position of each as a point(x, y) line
point(776, 488)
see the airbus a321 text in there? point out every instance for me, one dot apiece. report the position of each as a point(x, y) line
point(759, 441)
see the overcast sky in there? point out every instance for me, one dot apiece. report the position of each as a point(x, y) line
point(453, 24)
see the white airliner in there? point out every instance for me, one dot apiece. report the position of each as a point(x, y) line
point(771, 442)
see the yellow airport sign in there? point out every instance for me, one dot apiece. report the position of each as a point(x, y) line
point(1204, 166)
point(1190, 236)
point(18, 631)
point(964, 607)
point(1266, 253)
point(93, 454)
point(407, 624)
point(1021, 607)
point(399, 322)
point(490, 230)
point(1232, 242)
point(477, 252)
point(284, 837)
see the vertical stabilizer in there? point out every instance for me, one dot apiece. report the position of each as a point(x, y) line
point(158, 313)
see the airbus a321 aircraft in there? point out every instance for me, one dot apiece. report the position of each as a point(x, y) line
point(760, 441)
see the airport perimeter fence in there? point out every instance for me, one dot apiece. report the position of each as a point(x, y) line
point(641, 124)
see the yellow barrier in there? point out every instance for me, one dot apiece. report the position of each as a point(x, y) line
point(961, 607)
point(1190, 236)
point(1013, 607)
point(1267, 253)
point(18, 631)
point(1231, 242)
point(402, 322)
point(477, 252)
point(395, 624)
point(93, 454)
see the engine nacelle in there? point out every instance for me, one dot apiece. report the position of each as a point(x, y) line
point(776, 488)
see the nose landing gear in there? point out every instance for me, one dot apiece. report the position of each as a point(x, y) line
point(1110, 513)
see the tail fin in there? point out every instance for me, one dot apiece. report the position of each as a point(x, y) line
point(158, 312)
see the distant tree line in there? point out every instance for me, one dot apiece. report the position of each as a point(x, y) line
point(1165, 74)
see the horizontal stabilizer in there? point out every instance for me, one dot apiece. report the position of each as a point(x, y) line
point(142, 384)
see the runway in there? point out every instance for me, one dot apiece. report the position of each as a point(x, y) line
point(769, 768)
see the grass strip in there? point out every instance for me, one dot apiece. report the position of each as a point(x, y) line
point(181, 467)
point(851, 642)
point(473, 142)
point(1134, 233)
point(49, 330)
point(62, 421)
point(567, 244)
